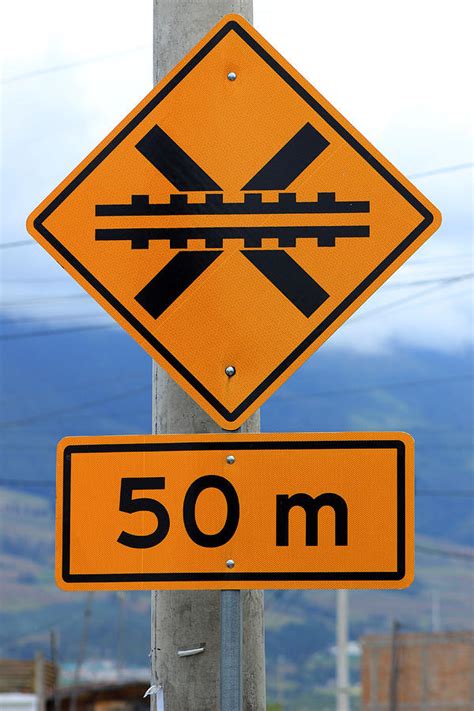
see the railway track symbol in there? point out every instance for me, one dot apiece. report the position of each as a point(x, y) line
point(277, 265)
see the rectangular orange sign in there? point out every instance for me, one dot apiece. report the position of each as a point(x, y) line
point(235, 511)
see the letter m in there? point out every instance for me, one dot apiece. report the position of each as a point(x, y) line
point(311, 507)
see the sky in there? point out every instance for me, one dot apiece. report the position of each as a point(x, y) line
point(398, 71)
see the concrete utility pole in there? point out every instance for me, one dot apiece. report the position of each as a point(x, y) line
point(341, 646)
point(393, 689)
point(39, 684)
point(435, 611)
point(184, 620)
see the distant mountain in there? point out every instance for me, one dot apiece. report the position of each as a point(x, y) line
point(98, 382)
point(93, 382)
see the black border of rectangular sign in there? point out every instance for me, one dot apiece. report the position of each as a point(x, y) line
point(334, 123)
point(69, 577)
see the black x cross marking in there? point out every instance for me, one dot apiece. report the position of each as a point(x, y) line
point(275, 264)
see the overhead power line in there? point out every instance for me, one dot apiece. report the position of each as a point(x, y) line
point(37, 280)
point(26, 482)
point(84, 295)
point(75, 408)
point(44, 299)
point(467, 493)
point(17, 243)
point(73, 65)
point(435, 260)
point(434, 280)
point(423, 449)
point(81, 386)
point(85, 318)
point(380, 386)
point(438, 171)
point(442, 283)
point(462, 555)
point(328, 393)
point(55, 332)
point(449, 281)
point(30, 242)
point(446, 447)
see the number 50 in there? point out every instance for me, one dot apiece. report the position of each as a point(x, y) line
point(131, 505)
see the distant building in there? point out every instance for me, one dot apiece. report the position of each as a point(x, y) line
point(32, 686)
point(418, 671)
point(18, 702)
point(24, 684)
point(128, 696)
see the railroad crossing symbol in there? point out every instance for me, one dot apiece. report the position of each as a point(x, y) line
point(275, 264)
point(234, 218)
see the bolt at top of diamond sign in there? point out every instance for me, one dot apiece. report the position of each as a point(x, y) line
point(233, 221)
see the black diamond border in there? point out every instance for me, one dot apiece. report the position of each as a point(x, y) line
point(231, 416)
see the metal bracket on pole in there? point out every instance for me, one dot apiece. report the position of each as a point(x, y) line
point(231, 650)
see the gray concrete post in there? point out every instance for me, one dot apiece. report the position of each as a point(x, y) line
point(191, 619)
point(39, 682)
point(231, 650)
point(342, 638)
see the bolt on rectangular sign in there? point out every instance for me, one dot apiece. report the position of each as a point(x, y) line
point(235, 511)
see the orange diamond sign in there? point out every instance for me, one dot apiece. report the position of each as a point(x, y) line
point(233, 221)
